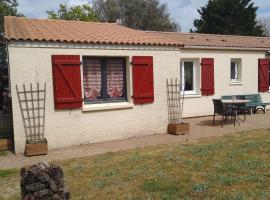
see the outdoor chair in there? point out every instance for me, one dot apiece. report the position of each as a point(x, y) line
point(224, 111)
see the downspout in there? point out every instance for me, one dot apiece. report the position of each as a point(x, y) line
point(9, 91)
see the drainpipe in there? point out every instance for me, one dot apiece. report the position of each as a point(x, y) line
point(9, 91)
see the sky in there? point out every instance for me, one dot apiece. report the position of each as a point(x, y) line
point(182, 11)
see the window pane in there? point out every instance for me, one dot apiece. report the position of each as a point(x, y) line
point(188, 76)
point(115, 78)
point(92, 78)
point(233, 73)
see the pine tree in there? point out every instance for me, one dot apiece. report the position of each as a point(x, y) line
point(229, 17)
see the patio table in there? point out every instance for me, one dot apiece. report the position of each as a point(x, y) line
point(235, 103)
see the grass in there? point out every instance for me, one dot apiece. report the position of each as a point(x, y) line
point(3, 153)
point(7, 173)
point(232, 167)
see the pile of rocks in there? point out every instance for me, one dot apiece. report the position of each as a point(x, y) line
point(43, 182)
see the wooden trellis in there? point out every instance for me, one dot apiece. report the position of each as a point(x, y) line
point(32, 105)
point(175, 100)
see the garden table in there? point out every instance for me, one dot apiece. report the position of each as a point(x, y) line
point(235, 103)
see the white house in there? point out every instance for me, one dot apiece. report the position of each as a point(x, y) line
point(105, 81)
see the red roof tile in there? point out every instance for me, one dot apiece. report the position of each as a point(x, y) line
point(192, 40)
point(19, 28)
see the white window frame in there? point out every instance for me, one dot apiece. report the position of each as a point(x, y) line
point(238, 70)
point(195, 68)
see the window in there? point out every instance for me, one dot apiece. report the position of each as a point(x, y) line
point(189, 77)
point(236, 70)
point(104, 79)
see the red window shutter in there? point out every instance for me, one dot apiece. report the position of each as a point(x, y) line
point(263, 73)
point(143, 83)
point(67, 81)
point(207, 76)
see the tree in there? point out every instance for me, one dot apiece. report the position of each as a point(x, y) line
point(7, 7)
point(107, 11)
point(136, 14)
point(237, 17)
point(264, 22)
point(84, 12)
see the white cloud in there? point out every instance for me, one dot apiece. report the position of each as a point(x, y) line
point(38, 8)
point(185, 11)
point(77, 2)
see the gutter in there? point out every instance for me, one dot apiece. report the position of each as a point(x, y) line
point(10, 96)
point(225, 48)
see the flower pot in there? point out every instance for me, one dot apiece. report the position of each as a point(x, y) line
point(179, 129)
point(5, 144)
point(35, 149)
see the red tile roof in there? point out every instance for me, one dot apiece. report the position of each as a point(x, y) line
point(214, 41)
point(19, 28)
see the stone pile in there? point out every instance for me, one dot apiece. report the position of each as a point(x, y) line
point(43, 182)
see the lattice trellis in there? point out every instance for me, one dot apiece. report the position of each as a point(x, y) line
point(32, 105)
point(175, 100)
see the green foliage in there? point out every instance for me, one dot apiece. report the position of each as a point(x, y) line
point(136, 14)
point(237, 17)
point(81, 13)
point(7, 8)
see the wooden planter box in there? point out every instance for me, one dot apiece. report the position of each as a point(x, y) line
point(5, 144)
point(179, 129)
point(35, 149)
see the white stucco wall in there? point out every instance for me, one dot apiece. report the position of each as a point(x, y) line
point(223, 86)
point(31, 62)
point(73, 127)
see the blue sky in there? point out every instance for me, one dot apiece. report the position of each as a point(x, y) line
point(182, 11)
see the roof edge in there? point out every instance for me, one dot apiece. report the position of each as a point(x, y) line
point(104, 43)
point(208, 34)
point(225, 48)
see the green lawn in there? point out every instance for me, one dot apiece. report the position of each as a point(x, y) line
point(236, 166)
